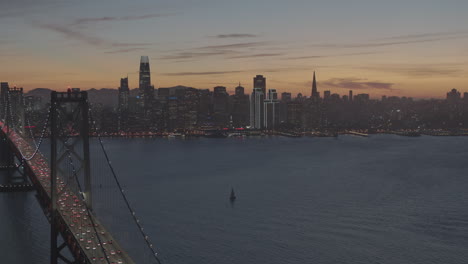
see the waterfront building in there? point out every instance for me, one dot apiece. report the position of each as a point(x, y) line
point(271, 110)
point(240, 112)
point(124, 94)
point(220, 106)
point(256, 108)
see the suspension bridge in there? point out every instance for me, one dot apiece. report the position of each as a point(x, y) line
point(63, 181)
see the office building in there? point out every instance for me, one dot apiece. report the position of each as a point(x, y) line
point(271, 110)
point(256, 108)
point(146, 90)
point(124, 94)
point(315, 94)
point(260, 82)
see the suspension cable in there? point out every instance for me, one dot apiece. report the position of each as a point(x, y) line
point(124, 196)
point(90, 216)
point(41, 139)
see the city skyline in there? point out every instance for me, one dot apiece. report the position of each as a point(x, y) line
point(412, 56)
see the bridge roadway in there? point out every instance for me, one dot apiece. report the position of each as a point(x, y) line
point(75, 224)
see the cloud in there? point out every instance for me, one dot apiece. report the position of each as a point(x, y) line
point(223, 36)
point(124, 50)
point(214, 50)
point(190, 55)
point(328, 56)
point(402, 40)
point(426, 35)
point(72, 34)
point(114, 18)
point(200, 73)
point(248, 56)
point(234, 46)
point(69, 33)
point(356, 84)
point(421, 71)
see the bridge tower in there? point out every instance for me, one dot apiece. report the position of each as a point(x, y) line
point(69, 145)
point(13, 113)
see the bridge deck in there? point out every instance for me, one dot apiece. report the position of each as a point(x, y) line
point(72, 210)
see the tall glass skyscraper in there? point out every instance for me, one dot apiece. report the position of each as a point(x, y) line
point(145, 88)
point(124, 93)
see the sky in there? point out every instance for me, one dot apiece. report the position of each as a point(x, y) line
point(416, 48)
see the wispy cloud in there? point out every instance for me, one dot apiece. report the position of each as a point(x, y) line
point(329, 55)
point(200, 73)
point(75, 31)
point(223, 36)
point(70, 33)
point(234, 46)
point(235, 50)
point(356, 83)
point(115, 18)
point(398, 40)
point(190, 55)
point(260, 55)
point(73, 34)
point(124, 50)
point(420, 70)
point(426, 35)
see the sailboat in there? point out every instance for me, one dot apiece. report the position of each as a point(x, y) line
point(233, 195)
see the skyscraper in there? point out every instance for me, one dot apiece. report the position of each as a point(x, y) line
point(260, 82)
point(315, 93)
point(146, 91)
point(124, 93)
point(271, 110)
point(256, 108)
point(240, 108)
point(220, 106)
point(239, 90)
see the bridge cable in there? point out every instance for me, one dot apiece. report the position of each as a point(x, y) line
point(81, 193)
point(144, 235)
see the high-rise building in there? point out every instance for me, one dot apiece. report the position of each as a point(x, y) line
point(453, 96)
point(220, 106)
point(205, 107)
point(285, 98)
point(239, 90)
point(256, 108)
point(271, 110)
point(350, 95)
point(240, 108)
point(146, 91)
point(124, 94)
point(315, 94)
point(260, 82)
